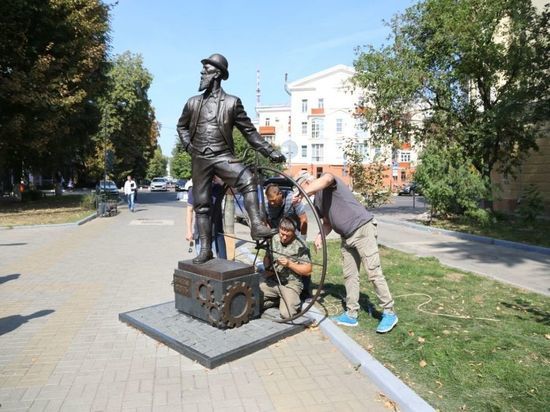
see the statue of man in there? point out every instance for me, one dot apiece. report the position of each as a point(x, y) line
point(205, 129)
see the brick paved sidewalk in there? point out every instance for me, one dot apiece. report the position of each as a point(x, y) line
point(63, 348)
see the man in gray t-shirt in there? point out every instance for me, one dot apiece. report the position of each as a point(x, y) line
point(341, 212)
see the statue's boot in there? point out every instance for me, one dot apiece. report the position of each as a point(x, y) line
point(204, 224)
point(258, 229)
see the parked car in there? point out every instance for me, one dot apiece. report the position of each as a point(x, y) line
point(108, 187)
point(180, 185)
point(159, 183)
point(410, 189)
point(144, 183)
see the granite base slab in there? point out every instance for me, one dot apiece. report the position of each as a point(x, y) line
point(206, 344)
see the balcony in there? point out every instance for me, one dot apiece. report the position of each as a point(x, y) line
point(318, 111)
point(267, 130)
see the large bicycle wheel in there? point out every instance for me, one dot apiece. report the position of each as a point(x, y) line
point(237, 229)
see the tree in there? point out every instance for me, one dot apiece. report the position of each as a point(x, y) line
point(181, 162)
point(367, 181)
point(250, 156)
point(157, 165)
point(477, 72)
point(128, 127)
point(52, 57)
point(451, 183)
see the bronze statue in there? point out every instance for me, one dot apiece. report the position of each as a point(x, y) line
point(205, 129)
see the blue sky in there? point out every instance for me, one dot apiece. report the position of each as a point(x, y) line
point(298, 37)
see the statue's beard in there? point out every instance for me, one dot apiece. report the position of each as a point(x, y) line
point(206, 81)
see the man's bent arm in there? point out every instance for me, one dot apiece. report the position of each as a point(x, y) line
point(319, 184)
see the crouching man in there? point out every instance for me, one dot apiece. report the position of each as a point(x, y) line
point(291, 261)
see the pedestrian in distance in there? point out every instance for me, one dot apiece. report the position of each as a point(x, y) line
point(342, 212)
point(205, 129)
point(291, 263)
point(130, 189)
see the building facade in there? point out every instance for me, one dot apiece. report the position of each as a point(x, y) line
point(320, 118)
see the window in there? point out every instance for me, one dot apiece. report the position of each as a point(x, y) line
point(267, 121)
point(405, 156)
point(304, 105)
point(403, 175)
point(316, 128)
point(363, 148)
point(319, 172)
point(304, 128)
point(269, 138)
point(339, 125)
point(317, 152)
point(304, 151)
point(321, 103)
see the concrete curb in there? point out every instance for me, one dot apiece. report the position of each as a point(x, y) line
point(391, 385)
point(469, 236)
point(80, 222)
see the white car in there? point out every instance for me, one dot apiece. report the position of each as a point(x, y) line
point(159, 183)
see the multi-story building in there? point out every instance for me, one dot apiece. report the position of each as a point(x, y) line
point(318, 121)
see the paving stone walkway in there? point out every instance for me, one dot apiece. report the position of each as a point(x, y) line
point(62, 347)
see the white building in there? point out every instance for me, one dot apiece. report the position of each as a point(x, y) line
point(320, 117)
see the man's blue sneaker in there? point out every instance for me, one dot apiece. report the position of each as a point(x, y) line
point(389, 320)
point(345, 319)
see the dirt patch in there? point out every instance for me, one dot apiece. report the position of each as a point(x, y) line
point(454, 276)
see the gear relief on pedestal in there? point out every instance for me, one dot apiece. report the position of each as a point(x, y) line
point(223, 293)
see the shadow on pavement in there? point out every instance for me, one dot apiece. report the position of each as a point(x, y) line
point(7, 278)
point(10, 323)
point(12, 244)
point(476, 251)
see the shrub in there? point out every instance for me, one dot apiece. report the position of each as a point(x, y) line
point(450, 182)
point(89, 201)
point(31, 195)
point(531, 204)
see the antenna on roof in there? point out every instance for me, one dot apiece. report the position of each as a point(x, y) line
point(286, 84)
point(258, 94)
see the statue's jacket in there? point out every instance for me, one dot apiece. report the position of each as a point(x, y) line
point(230, 113)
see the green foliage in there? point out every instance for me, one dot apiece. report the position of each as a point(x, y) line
point(531, 204)
point(52, 58)
point(128, 127)
point(180, 164)
point(31, 195)
point(241, 145)
point(157, 165)
point(367, 181)
point(441, 347)
point(450, 182)
point(471, 73)
point(89, 201)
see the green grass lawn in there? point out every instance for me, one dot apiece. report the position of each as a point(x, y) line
point(507, 228)
point(48, 210)
point(463, 342)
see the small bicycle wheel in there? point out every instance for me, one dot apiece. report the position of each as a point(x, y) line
point(237, 230)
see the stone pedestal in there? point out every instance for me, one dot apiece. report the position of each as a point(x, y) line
point(223, 293)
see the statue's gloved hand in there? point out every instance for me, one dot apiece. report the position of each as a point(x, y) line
point(277, 156)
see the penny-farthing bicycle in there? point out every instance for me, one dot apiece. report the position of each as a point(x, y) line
point(318, 258)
